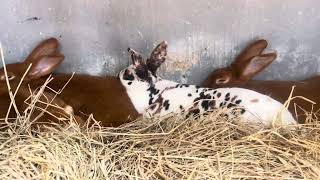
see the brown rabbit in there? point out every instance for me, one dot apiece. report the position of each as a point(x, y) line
point(58, 109)
point(104, 97)
point(54, 109)
point(249, 63)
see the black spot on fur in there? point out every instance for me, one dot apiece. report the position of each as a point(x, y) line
point(234, 111)
point(193, 112)
point(182, 85)
point(212, 104)
point(202, 96)
point(237, 111)
point(197, 91)
point(219, 95)
point(238, 101)
point(153, 91)
point(221, 104)
point(197, 87)
point(196, 111)
point(128, 76)
point(227, 98)
point(150, 101)
point(166, 104)
point(209, 89)
point(230, 105)
point(129, 83)
point(196, 99)
point(233, 98)
point(189, 95)
point(214, 92)
point(205, 104)
point(181, 107)
point(153, 106)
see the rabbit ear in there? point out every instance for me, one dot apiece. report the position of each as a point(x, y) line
point(254, 49)
point(256, 65)
point(45, 48)
point(136, 58)
point(157, 57)
point(44, 65)
point(141, 69)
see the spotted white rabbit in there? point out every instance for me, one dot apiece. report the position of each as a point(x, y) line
point(152, 95)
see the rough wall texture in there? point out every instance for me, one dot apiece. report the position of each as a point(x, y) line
point(202, 34)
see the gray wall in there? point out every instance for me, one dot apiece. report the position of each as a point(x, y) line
point(202, 34)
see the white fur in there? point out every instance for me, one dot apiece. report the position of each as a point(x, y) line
point(259, 108)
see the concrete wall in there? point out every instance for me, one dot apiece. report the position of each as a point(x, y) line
point(202, 34)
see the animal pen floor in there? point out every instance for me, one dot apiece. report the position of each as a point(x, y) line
point(168, 148)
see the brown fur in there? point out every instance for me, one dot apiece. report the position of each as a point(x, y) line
point(16, 71)
point(249, 63)
point(22, 101)
point(104, 97)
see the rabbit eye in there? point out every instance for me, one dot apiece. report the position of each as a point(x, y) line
point(222, 80)
point(10, 77)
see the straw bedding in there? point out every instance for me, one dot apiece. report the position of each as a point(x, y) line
point(161, 148)
point(208, 147)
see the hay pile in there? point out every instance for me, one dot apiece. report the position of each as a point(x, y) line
point(168, 148)
point(161, 148)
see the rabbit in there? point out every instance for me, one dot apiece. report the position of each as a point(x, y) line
point(53, 108)
point(59, 108)
point(252, 61)
point(104, 97)
point(153, 96)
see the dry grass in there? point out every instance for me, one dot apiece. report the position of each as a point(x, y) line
point(168, 148)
